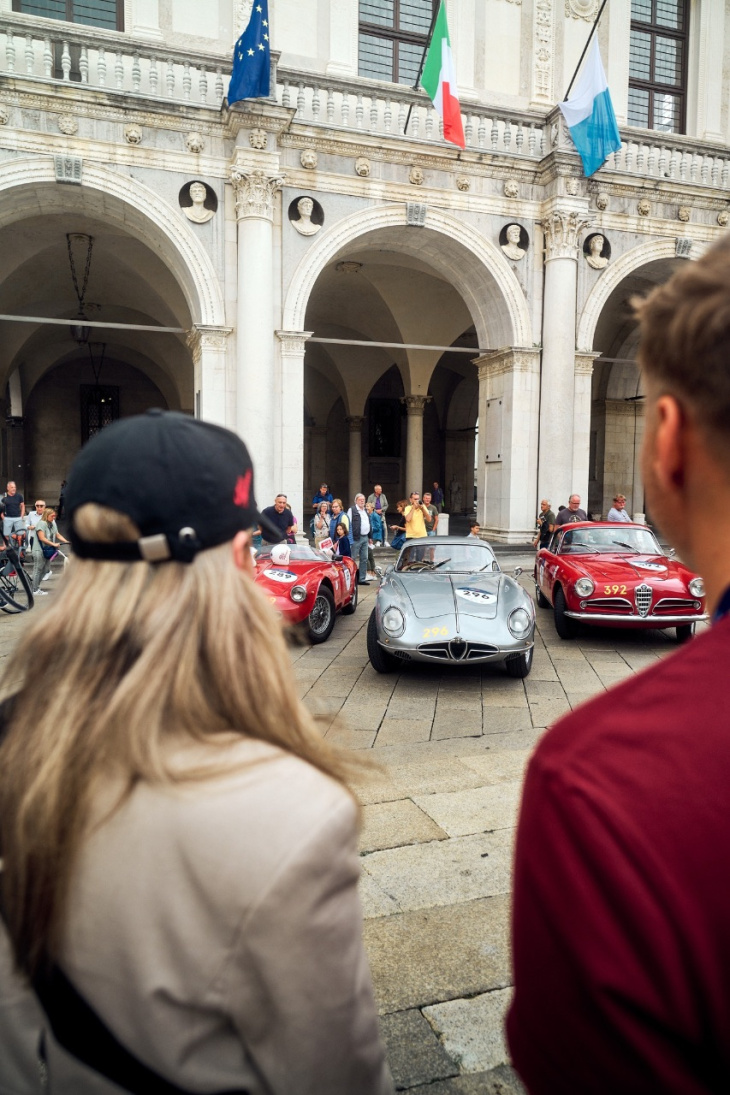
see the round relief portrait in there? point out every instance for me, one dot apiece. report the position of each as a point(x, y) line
point(198, 201)
point(514, 241)
point(306, 215)
point(597, 250)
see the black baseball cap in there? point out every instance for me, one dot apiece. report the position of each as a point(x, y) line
point(186, 484)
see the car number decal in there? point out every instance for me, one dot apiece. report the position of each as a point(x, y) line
point(477, 595)
point(280, 575)
point(647, 564)
point(348, 579)
point(435, 632)
point(615, 591)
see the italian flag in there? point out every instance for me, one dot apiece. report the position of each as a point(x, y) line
point(439, 80)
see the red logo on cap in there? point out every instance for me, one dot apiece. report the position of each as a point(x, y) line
point(243, 489)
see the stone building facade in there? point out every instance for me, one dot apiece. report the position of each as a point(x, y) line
point(393, 327)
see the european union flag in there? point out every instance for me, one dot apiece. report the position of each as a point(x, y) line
point(252, 58)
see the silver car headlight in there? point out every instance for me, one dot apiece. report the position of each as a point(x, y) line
point(697, 587)
point(393, 621)
point(298, 594)
point(584, 587)
point(519, 623)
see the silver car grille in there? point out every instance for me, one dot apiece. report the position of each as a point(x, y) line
point(643, 594)
point(672, 605)
point(458, 650)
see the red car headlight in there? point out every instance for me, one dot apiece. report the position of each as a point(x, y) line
point(584, 587)
point(298, 594)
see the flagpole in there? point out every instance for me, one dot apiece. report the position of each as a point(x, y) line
point(585, 48)
point(423, 58)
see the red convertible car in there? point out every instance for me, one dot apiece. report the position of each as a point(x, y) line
point(307, 586)
point(616, 575)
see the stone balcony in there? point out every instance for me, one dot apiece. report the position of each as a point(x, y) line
point(55, 55)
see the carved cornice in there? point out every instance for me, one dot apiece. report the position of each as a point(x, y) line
point(293, 342)
point(254, 192)
point(562, 228)
point(201, 339)
point(415, 405)
point(584, 362)
point(507, 360)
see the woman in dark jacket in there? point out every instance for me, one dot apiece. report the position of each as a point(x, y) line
point(341, 544)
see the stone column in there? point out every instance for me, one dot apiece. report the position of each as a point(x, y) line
point(255, 192)
point(415, 406)
point(290, 457)
point(562, 228)
point(354, 422)
point(582, 423)
point(208, 348)
point(509, 393)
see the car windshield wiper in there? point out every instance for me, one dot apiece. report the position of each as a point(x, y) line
point(634, 550)
point(443, 562)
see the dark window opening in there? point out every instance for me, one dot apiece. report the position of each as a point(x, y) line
point(393, 36)
point(99, 408)
point(658, 64)
point(108, 14)
point(384, 416)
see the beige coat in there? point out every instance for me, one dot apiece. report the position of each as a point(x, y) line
point(216, 928)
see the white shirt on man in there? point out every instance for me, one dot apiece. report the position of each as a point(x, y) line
point(618, 515)
point(364, 519)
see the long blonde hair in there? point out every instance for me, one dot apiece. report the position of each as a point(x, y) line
point(130, 656)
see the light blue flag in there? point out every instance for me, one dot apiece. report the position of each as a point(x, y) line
point(589, 115)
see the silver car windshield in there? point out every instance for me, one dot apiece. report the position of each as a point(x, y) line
point(621, 540)
point(446, 558)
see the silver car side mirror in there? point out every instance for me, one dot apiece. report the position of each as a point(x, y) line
point(517, 571)
point(671, 553)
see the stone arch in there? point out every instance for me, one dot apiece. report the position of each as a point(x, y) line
point(613, 275)
point(133, 207)
point(474, 265)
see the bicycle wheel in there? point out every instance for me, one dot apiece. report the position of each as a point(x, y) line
point(16, 593)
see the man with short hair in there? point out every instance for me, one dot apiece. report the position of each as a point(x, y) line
point(431, 516)
point(473, 530)
point(359, 537)
point(438, 496)
point(415, 515)
point(282, 518)
point(323, 495)
point(378, 500)
point(572, 514)
point(545, 524)
point(13, 510)
point(622, 888)
point(617, 511)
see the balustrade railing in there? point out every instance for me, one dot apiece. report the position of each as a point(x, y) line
point(102, 60)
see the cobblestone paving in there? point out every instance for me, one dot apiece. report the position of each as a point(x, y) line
point(439, 810)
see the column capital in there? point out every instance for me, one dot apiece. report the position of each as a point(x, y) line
point(254, 191)
point(584, 361)
point(510, 359)
point(354, 422)
point(202, 337)
point(562, 228)
point(293, 342)
point(415, 404)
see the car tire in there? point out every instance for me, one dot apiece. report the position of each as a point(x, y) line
point(521, 664)
point(685, 632)
point(381, 660)
point(352, 603)
point(565, 627)
point(321, 619)
point(540, 598)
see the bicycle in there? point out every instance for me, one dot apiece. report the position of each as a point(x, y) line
point(16, 592)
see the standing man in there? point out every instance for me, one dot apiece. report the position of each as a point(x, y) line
point(415, 515)
point(13, 510)
point(431, 515)
point(378, 500)
point(359, 536)
point(438, 497)
point(281, 517)
point(545, 524)
point(33, 518)
point(622, 888)
point(572, 514)
point(617, 511)
point(474, 530)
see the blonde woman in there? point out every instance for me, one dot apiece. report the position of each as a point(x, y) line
point(46, 538)
point(178, 840)
point(321, 523)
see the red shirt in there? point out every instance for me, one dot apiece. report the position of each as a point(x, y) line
point(621, 922)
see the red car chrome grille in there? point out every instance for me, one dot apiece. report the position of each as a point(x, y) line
point(670, 606)
point(607, 604)
point(643, 596)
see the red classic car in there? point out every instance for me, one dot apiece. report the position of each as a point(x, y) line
point(307, 586)
point(616, 575)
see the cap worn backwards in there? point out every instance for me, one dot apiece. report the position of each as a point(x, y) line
point(186, 484)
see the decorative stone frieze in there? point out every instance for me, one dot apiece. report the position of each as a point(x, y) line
point(511, 188)
point(508, 360)
point(682, 247)
point(254, 192)
point(68, 124)
point(362, 166)
point(584, 362)
point(242, 14)
point(293, 343)
point(683, 213)
point(562, 228)
point(258, 138)
point(68, 169)
point(463, 182)
point(723, 217)
point(415, 176)
point(581, 9)
point(416, 214)
point(202, 338)
point(195, 142)
point(133, 134)
point(415, 405)
point(4, 114)
point(602, 200)
point(543, 52)
point(308, 159)
point(644, 207)
point(572, 186)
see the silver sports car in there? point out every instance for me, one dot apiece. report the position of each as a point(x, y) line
point(446, 600)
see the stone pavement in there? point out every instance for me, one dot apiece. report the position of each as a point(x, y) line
point(439, 811)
